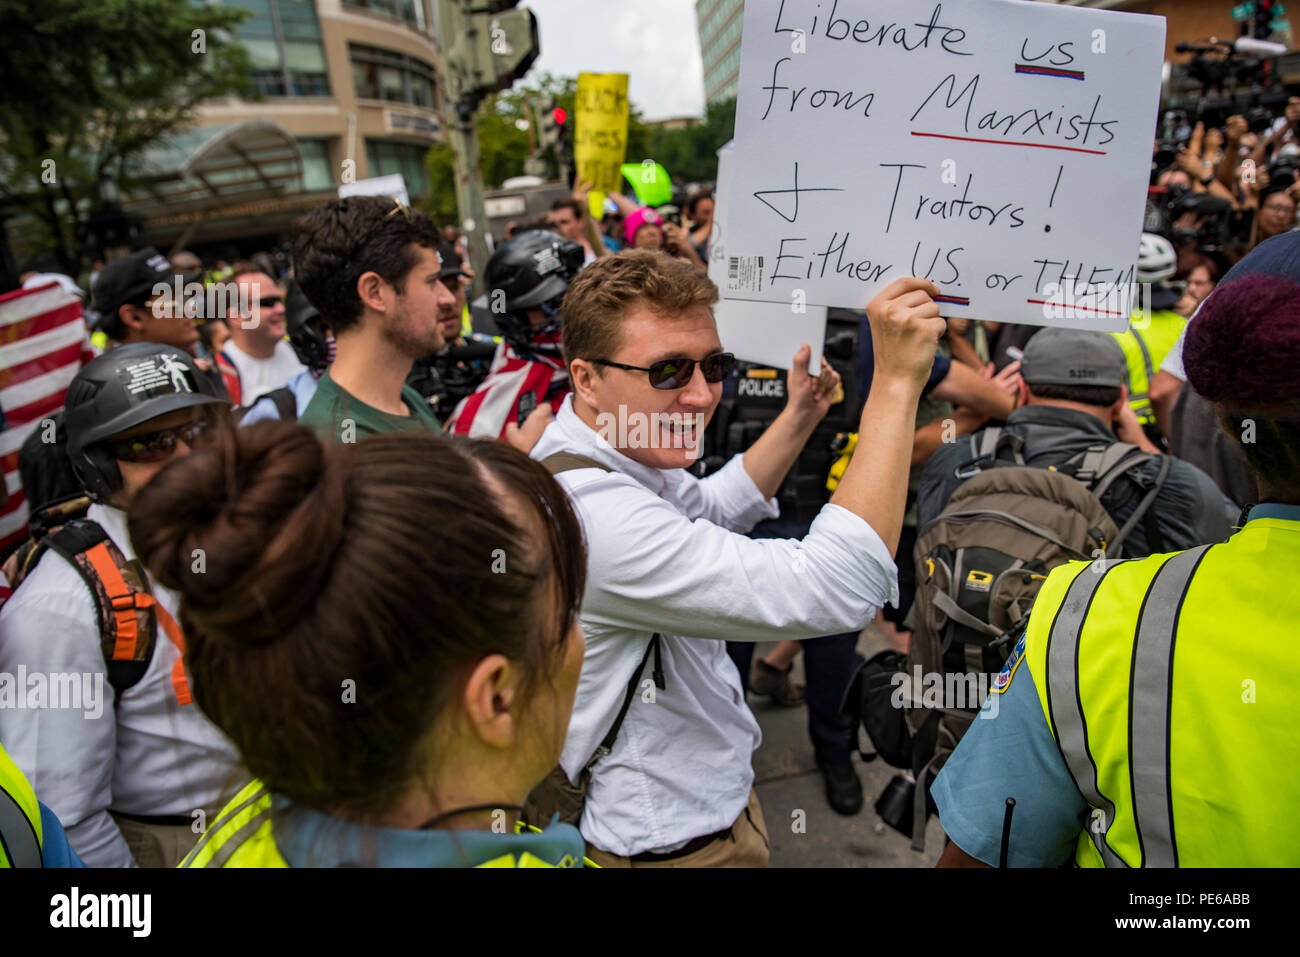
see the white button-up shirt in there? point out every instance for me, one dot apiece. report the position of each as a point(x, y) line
point(142, 754)
point(667, 554)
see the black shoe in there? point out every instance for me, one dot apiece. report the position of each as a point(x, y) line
point(843, 789)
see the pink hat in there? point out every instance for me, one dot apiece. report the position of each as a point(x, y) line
point(638, 219)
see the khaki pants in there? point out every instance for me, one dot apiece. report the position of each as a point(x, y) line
point(156, 845)
point(745, 846)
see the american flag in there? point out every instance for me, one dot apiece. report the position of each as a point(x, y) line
point(43, 344)
point(493, 405)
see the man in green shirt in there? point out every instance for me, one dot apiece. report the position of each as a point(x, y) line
point(370, 265)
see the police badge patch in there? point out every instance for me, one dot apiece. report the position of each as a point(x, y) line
point(1003, 680)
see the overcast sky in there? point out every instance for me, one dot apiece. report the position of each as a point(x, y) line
point(653, 41)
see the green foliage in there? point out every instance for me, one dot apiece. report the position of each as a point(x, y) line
point(91, 84)
point(691, 155)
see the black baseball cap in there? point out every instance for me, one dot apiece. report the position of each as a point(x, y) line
point(131, 279)
point(451, 262)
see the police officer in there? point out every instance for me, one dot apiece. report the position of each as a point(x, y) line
point(1147, 715)
point(118, 750)
point(1147, 340)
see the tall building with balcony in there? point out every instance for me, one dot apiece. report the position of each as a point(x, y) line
point(719, 23)
point(348, 89)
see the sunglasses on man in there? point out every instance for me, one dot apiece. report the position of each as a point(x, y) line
point(677, 373)
point(157, 446)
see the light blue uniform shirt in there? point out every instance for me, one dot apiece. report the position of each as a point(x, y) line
point(1015, 755)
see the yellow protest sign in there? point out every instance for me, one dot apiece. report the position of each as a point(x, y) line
point(600, 137)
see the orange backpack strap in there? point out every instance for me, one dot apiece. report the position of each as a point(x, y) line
point(128, 614)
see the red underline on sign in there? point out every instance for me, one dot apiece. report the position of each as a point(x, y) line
point(1048, 71)
point(953, 300)
point(1038, 146)
point(1104, 312)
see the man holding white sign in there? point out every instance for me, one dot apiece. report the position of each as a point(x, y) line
point(996, 147)
point(668, 557)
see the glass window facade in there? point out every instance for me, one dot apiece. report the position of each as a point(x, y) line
point(385, 158)
point(317, 173)
point(409, 11)
point(386, 75)
point(283, 41)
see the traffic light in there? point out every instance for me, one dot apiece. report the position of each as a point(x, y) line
point(495, 45)
point(1263, 19)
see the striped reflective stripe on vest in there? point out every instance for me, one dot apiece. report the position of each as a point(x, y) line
point(227, 815)
point(1150, 702)
point(18, 838)
point(1065, 707)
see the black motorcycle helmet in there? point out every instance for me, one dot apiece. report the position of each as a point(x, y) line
point(531, 271)
point(118, 391)
point(306, 330)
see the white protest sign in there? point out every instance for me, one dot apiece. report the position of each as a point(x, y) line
point(999, 148)
point(768, 333)
point(391, 185)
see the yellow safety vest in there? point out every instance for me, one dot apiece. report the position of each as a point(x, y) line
point(1169, 684)
point(21, 837)
point(1145, 348)
point(241, 837)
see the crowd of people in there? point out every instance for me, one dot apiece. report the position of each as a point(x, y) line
point(347, 571)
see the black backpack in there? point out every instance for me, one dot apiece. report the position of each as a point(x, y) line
point(979, 566)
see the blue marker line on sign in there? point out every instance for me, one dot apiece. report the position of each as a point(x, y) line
point(1048, 71)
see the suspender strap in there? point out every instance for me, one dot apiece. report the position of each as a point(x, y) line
point(607, 744)
point(1065, 707)
point(1149, 705)
point(570, 461)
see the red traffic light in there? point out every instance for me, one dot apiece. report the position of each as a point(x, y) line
point(559, 115)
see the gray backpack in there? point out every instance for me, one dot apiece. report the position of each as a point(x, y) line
point(979, 566)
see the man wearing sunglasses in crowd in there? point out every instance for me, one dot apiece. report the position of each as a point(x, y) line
point(121, 755)
point(672, 576)
point(257, 354)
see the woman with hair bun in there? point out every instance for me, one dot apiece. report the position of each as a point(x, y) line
point(395, 658)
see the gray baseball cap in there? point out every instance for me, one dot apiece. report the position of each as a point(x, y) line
point(1074, 357)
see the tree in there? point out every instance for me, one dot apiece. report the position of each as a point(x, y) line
point(691, 154)
point(88, 86)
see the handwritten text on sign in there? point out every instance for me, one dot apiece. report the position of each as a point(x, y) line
point(999, 148)
point(601, 142)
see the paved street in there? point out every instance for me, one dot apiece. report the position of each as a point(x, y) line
point(788, 781)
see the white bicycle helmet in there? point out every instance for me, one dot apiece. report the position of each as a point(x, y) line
point(1157, 261)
